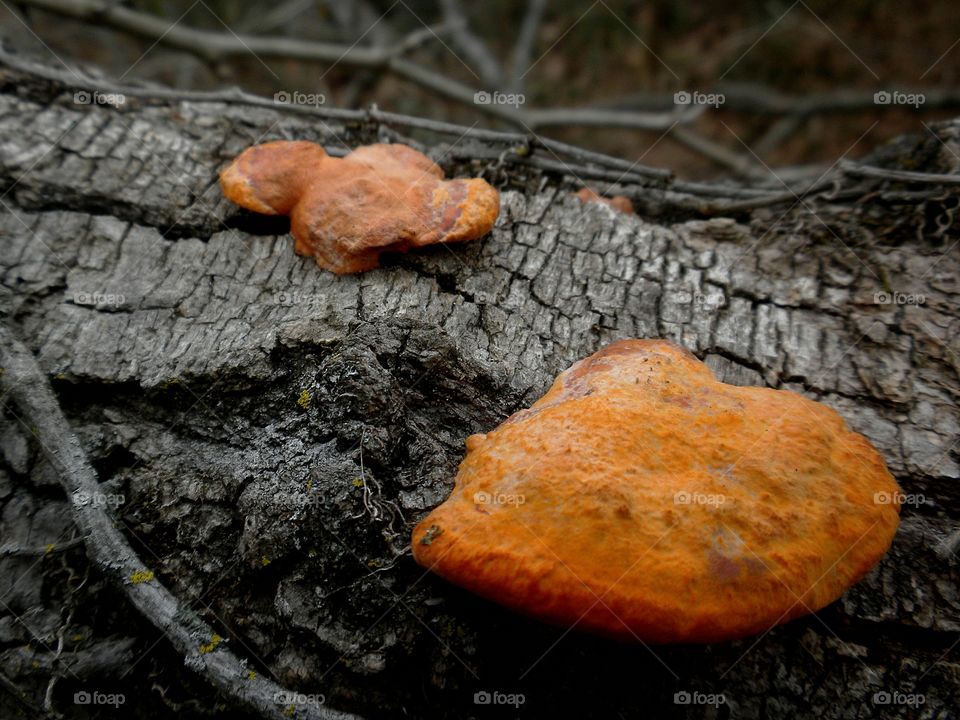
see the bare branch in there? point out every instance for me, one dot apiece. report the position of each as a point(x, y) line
point(778, 133)
point(276, 17)
point(759, 99)
point(16, 550)
point(534, 151)
point(476, 52)
point(20, 696)
point(739, 165)
point(107, 548)
point(859, 170)
point(215, 47)
point(526, 39)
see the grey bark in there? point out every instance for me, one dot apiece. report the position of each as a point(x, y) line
point(270, 433)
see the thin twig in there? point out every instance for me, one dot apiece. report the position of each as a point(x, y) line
point(513, 147)
point(758, 99)
point(16, 550)
point(110, 552)
point(739, 165)
point(859, 170)
point(214, 47)
point(476, 52)
point(526, 39)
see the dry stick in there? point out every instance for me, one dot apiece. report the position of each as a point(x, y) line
point(778, 133)
point(109, 551)
point(215, 46)
point(275, 17)
point(238, 97)
point(859, 170)
point(758, 99)
point(21, 697)
point(517, 142)
point(517, 146)
point(526, 39)
point(52, 548)
point(476, 51)
point(740, 165)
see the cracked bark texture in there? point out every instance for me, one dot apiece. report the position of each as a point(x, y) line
point(275, 431)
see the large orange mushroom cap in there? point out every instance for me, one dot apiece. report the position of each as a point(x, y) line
point(346, 211)
point(642, 499)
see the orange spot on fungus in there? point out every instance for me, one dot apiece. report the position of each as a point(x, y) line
point(617, 202)
point(663, 505)
point(346, 211)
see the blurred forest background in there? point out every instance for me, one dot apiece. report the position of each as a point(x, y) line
point(798, 78)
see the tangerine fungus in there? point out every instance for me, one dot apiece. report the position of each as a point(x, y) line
point(346, 211)
point(617, 202)
point(642, 499)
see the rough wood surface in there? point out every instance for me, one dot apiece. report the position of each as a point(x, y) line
point(269, 432)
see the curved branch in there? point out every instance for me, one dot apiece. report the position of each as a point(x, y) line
point(470, 45)
point(707, 198)
point(760, 99)
point(216, 46)
point(109, 550)
point(526, 39)
point(858, 170)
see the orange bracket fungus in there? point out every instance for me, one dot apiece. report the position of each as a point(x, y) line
point(642, 499)
point(617, 202)
point(346, 211)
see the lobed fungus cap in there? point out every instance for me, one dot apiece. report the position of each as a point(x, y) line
point(642, 499)
point(347, 211)
point(617, 202)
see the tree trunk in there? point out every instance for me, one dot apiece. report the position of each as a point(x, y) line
point(267, 434)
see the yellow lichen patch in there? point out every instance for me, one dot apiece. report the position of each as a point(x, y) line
point(251, 675)
point(209, 647)
point(358, 482)
point(304, 399)
point(264, 560)
point(49, 549)
point(141, 576)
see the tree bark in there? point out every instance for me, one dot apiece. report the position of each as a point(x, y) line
point(267, 434)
